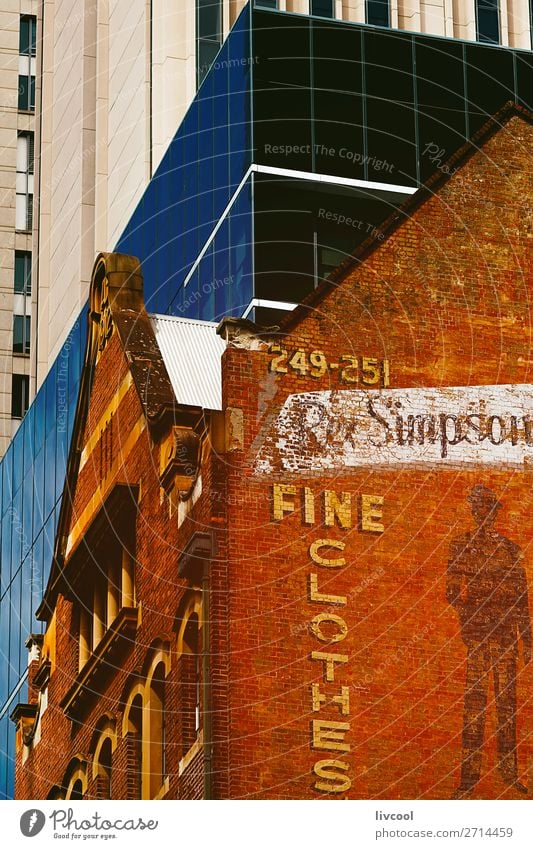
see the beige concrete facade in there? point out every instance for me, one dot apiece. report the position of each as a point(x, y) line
point(14, 233)
point(116, 79)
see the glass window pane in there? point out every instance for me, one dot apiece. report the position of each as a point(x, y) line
point(323, 8)
point(20, 389)
point(377, 13)
point(22, 281)
point(21, 334)
point(488, 20)
point(24, 92)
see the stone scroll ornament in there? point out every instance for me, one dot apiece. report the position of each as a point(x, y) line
point(457, 426)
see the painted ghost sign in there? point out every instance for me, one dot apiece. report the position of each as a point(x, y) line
point(458, 426)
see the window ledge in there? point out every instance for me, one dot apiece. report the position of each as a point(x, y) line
point(116, 640)
point(164, 790)
point(188, 757)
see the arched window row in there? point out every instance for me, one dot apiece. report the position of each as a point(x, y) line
point(142, 732)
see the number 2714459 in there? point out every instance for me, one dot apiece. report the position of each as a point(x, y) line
point(367, 370)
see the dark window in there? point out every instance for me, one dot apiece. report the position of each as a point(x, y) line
point(26, 98)
point(22, 282)
point(27, 35)
point(488, 21)
point(27, 38)
point(105, 762)
point(266, 4)
point(20, 394)
point(21, 334)
point(209, 34)
point(323, 8)
point(77, 790)
point(377, 13)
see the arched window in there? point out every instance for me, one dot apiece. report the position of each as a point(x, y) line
point(56, 793)
point(132, 730)
point(144, 727)
point(105, 773)
point(157, 726)
point(103, 746)
point(76, 779)
point(76, 791)
point(189, 647)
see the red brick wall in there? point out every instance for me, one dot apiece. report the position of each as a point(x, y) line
point(446, 300)
point(159, 592)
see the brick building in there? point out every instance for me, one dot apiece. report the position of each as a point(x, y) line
point(304, 573)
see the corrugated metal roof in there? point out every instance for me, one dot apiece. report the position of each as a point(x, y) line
point(191, 352)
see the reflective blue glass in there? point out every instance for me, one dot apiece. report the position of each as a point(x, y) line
point(7, 478)
point(207, 284)
point(14, 630)
point(26, 612)
point(29, 445)
point(50, 402)
point(38, 500)
point(27, 514)
point(18, 455)
point(38, 407)
point(48, 543)
point(239, 81)
point(37, 577)
point(6, 549)
point(4, 647)
point(190, 297)
point(16, 532)
point(241, 249)
point(222, 269)
point(49, 475)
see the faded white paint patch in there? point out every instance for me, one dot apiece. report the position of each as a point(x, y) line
point(452, 426)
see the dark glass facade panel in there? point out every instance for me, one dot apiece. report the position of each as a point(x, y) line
point(524, 78)
point(284, 249)
point(378, 13)
point(441, 101)
point(391, 155)
point(282, 91)
point(241, 289)
point(22, 278)
point(240, 71)
point(339, 144)
point(266, 4)
point(322, 8)
point(488, 20)
point(489, 80)
point(221, 260)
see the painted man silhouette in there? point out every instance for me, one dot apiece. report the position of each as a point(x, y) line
point(486, 584)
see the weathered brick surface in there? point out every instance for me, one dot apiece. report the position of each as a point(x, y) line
point(446, 300)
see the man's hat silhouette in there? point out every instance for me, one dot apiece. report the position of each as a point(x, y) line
point(480, 494)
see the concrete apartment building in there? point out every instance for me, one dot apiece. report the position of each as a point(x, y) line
point(17, 129)
point(114, 83)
